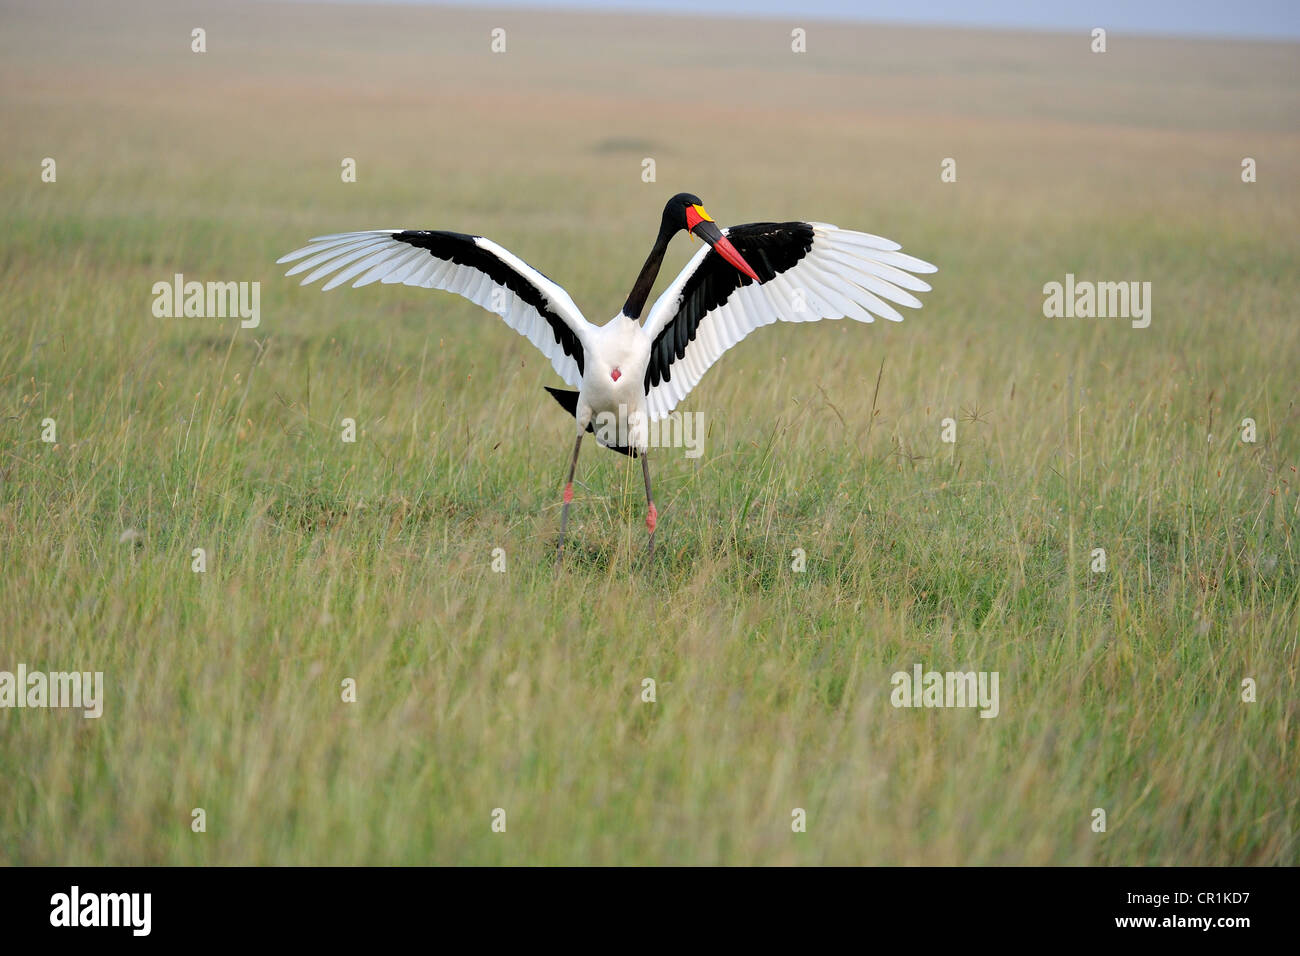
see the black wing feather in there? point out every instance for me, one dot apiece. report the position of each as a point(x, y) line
point(460, 248)
point(771, 248)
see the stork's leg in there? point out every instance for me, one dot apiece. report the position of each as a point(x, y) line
point(651, 516)
point(568, 497)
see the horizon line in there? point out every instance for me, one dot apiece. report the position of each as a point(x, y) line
point(691, 9)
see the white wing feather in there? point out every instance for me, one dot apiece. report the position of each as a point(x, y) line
point(844, 275)
point(375, 256)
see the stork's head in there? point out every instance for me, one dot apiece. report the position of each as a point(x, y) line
point(686, 211)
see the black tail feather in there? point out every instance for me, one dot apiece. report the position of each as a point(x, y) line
point(569, 402)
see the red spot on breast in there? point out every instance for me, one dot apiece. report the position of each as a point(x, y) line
point(616, 375)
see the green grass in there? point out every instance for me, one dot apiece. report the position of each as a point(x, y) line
point(522, 690)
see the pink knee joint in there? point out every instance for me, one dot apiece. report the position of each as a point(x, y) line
point(651, 518)
point(568, 493)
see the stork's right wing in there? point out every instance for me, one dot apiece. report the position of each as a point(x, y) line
point(809, 271)
point(488, 275)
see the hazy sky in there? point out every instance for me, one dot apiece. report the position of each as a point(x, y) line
point(1253, 18)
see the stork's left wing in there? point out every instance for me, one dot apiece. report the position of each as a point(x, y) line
point(487, 274)
point(810, 271)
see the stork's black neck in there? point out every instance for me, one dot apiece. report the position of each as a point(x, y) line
point(649, 272)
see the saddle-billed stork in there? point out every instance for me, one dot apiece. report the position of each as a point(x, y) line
point(744, 277)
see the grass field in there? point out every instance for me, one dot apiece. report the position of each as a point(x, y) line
point(522, 690)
